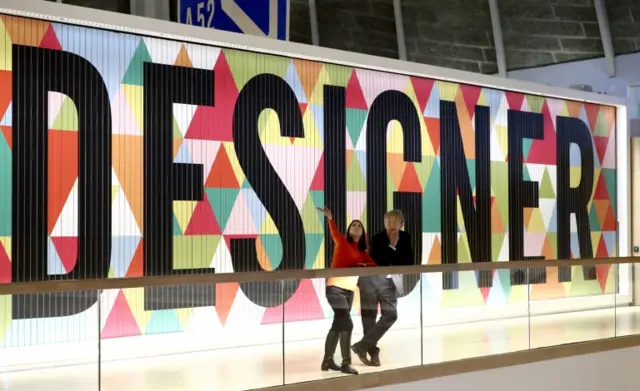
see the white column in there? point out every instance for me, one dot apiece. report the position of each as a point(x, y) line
point(497, 38)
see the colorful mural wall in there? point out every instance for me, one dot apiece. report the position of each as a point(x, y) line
point(124, 156)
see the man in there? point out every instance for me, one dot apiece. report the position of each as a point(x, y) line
point(390, 247)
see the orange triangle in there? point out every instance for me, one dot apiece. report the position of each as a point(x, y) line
point(225, 295)
point(136, 266)
point(127, 152)
point(23, 31)
point(435, 256)
point(5, 91)
point(396, 166)
point(410, 182)
point(308, 72)
point(433, 128)
point(547, 250)
point(497, 225)
point(222, 174)
point(183, 59)
point(574, 108)
point(62, 170)
point(610, 221)
point(8, 135)
point(602, 206)
point(527, 213)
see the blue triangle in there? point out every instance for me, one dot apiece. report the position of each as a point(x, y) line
point(164, 321)
point(432, 110)
point(291, 77)
point(494, 99)
point(257, 210)
point(318, 116)
point(7, 120)
point(54, 263)
point(183, 155)
point(610, 241)
point(123, 248)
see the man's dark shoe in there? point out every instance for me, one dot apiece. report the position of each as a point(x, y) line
point(375, 356)
point(361, 353)
point(348, 369)
point(329, 364)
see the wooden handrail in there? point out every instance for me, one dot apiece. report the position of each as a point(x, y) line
point(210, 279)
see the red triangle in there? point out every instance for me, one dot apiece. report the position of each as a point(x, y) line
point(225, 295)
point(303, 107)
point(422, 88)
point(592, 114)
point(136, 267)
point(433, 128)
point(410, 182)
point(303, 305)
point(601, 192)
point(67, 247)
point(471, 94)
point(203, 222)
point(318, 179)
point(63, 171)
point(222, 174)
point(602, 273)
point(485, 293)
point(601, 144)
point(5, 91)
point(355, 97)
point(120, 322)
point(216, 123)
point(8, 135)
point(514, 100)
point(609, 221)
point(5, 266)
point(50, 40)
point(540, 149)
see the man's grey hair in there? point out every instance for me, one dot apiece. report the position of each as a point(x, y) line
point(396, 213)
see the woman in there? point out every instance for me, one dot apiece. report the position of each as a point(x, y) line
point(350, 251)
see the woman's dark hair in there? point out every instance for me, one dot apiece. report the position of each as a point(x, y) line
point(362, 243)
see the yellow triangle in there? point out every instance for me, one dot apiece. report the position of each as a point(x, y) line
point(482, 100)
point(565, 110)
point(134, 95)
point(184, 316)
point(268, 226)
point(5, 49)
point(411, 93)
point(135, 299)
point(536, 224)
point(319, 262)
point(6, 243)
point(114, 192)
point(575, 175)
point(311, 137)
point(448, 91)
point(67, 118)
point(269, 129)
point(502, 134)
point(595, 239)
point(184, 211)
point(233, 159)
point(317, 96)
point(6, 304)
point(395, 138)
point(459, 216)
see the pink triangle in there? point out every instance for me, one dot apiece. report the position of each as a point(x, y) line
point(67, 247)
point(50, 40)
point(543, 151)
point(302, 306)
point(485, 294)
point(422, 88)
point(120, 322)
point(203, 222)
point(355, 96)
point(123, 119)
point(317, 184)
point(5, 266)
point(240, 221)
point(514, 100)
point(216, 123)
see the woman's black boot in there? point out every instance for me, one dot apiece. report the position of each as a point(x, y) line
point(329, 349)
point(345, 349)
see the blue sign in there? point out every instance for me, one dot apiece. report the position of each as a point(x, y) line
point(266, 18)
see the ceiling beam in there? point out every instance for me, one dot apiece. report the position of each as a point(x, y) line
point(605, 33)
point(497, 38)
point(402, 45)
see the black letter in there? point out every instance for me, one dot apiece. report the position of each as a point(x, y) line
point(335, 178)
point(522, 194)
point(268, 92)
point(574, 200)
point(455, 181)
point(165, 181)
point(36, 72)
point(389, 106)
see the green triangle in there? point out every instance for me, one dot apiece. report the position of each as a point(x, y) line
point(5, 185)
point(525, 174)
point(536, 103)
point(273, 246)
point(355, 123)
point(246, 184)
point(610, 181)
point(221, 201)
point(163, 321)
point(67, 118)
point(112, 273)
point(177, 134)
point(464, 256)
point(317, 197)
point(505, 280)
point(526, 148)
point(246, 65)
point(471, 168)
point(594, 223)
point(194, 252)
point(601, 126)
point(311, 217)
point(355, 178)
point(338, 75)
point(135, 71)
point(431, 202)
point(553, 241)
point(546, 188)
point(497, 239)
point(313, 243)
point(177, 231)
point(500, 187)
